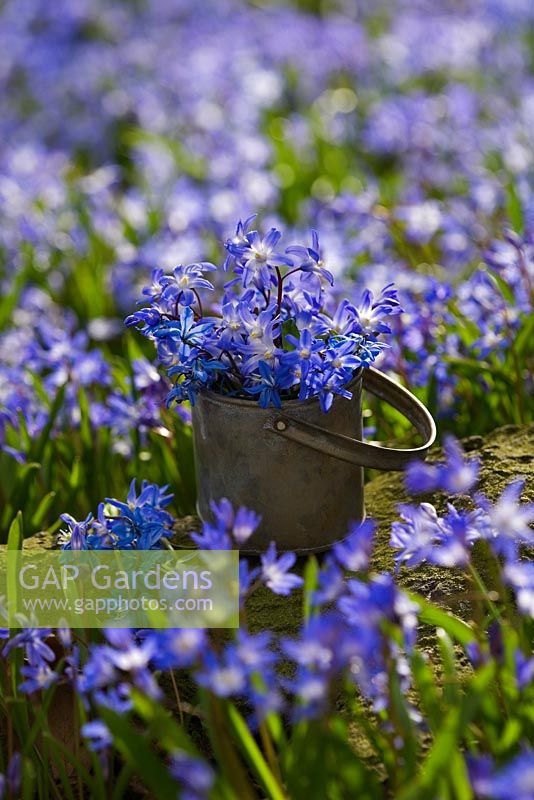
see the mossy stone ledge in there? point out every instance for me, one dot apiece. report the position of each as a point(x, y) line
point(504, 454)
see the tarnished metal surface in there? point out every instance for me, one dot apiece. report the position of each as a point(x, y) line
point(306, 499)
point(352, 450)
point(299, 468)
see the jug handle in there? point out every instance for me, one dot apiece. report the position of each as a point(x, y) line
point(355, 451)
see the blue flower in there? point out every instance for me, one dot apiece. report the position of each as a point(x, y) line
point(224, 675)
point(37, 677)
point(312, 261)
point(181, 288)
point(247, 577)
point(254, 652)
point(513, 781)
point(195, 776)
point(444, 541)
point(178, 648)
point(520, 576)
point(268, 387)
point(457, 475)
point(328, 384)
point(14, 774)
point(142, 521)
point(311, 691)
point(33, 640)
point(509, 521)
point(274, 571)
point(354, 552)
point(76, 537)
point(127, 655)
point(371, 314)
point(97, 735)
point(240, 525)
point(257, 256)
point(330, 583)
point(271, 337)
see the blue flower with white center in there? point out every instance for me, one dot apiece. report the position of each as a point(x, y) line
point(305, 354)
point(328, 384)
point(127, 655)
point(509, 521)
point(267, 388)
point(178, 648)
point(37, 678)
point(97, 735)
point(257, 257)
point(311, 692)
point(311, 259)
point(33, 640)
point(182, 287)
point(513, 781)
point(154, 290)
point(232, 327)
point(225, 676)
point(272, 314)
point(457, 475)
point(142, 520)
point(354, 552)
point(444, 541)
point(76, 537)
point(371, 314)
point(520, 576)
point(275, 571)
point(254, 651)
point(240, 525)
point(195, 776)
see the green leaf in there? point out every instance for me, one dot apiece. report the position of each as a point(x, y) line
point(253, 754)
point(425, 685)
point(20, 494)
point(514, 208)
point(61, 750)
point(524, 341)
point(320, 762)
point(137, 751)
point(29, 779)
point(15, 536)
point(39, 445)
point(59, 763)
point(311, 574)
point(504, 287)
point(446, 749)
point(230, 764)
point(451, 692)
point(459, 778)
point(432, 615)
point(85, 420)
point(42, 510)
point(473, 368)
point(9, 301)
point(168, 733)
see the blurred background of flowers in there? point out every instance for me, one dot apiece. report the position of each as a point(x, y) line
point(134, 134)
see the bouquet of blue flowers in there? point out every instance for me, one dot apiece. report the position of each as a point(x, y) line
point(279, 332)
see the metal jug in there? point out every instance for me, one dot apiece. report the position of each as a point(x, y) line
point(300, 468)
